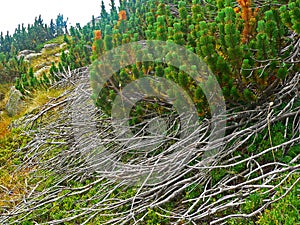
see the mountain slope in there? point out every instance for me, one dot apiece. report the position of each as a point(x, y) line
point(78, 165)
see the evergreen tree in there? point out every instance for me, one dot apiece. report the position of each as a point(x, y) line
point(104, 14)
point(61, 25)
point(52, 29)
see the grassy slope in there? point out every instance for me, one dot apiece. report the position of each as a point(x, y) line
point(13, 184)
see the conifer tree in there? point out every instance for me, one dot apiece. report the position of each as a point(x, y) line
point(104, 13)
point(52, 29)
point(113, 11)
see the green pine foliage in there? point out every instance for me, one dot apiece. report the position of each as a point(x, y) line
point(242, 68)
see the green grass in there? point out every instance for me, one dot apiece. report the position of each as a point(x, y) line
point(286, 210)
point(12, 180)
point(57, 40)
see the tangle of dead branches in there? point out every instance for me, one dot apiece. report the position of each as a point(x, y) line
point(73, 141)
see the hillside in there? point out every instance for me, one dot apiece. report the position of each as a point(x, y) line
point(156, 112)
